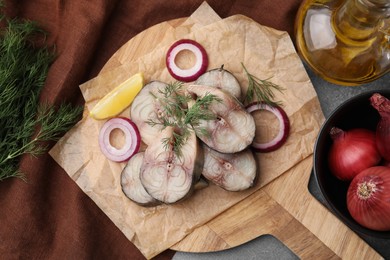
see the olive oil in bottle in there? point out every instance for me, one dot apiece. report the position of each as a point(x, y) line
point(346, 42)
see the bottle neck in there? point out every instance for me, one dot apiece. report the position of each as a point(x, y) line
point(360, 20)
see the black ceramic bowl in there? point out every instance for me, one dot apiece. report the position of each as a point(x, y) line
point(353, 113)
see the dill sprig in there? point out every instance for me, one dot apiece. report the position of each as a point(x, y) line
point(176, 141)
point(200, 110)
point(260, 90)
point(173, 103)
point(176, 113)
point(27, 125)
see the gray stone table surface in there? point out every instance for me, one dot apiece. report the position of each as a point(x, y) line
point(267, 246)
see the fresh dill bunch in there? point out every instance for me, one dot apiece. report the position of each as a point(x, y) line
point(50, 122)
point(260, 90)
point(200, 110)
point(27, 125)
point(177, 114)
point(174, 105)
point(176, 141)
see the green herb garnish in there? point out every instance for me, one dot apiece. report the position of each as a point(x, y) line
point(176, 113)
point(26, 125)
point(200, 110)
point(176, 141)
point(174, 105)
point(260, 90)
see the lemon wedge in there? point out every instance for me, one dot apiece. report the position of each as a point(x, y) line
point(119, 98)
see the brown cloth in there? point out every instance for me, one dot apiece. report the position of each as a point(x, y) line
point(49, 216)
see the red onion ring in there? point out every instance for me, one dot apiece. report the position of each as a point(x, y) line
point(132, 139)
point(191, 74)
point(284, 127)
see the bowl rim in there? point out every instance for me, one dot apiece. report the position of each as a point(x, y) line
point(356, 227)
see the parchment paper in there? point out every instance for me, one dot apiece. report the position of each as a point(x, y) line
point(267, 53)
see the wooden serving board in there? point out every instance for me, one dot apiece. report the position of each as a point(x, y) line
point(283, 208)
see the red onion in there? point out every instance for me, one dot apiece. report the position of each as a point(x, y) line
point(132, 139)
point(284, 127)
point(382, 105)
point(191, 74)
point(352, 152)
point(385, 163)
point(368, 198)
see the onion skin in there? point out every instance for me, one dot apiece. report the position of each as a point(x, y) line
point(352, 152)
point(187, 75)
point(385, 163)
point(284, 127)
point(133, 139)
point(368, 198)
point(382, 105)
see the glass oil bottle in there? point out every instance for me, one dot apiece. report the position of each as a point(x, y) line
point(346, 42)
